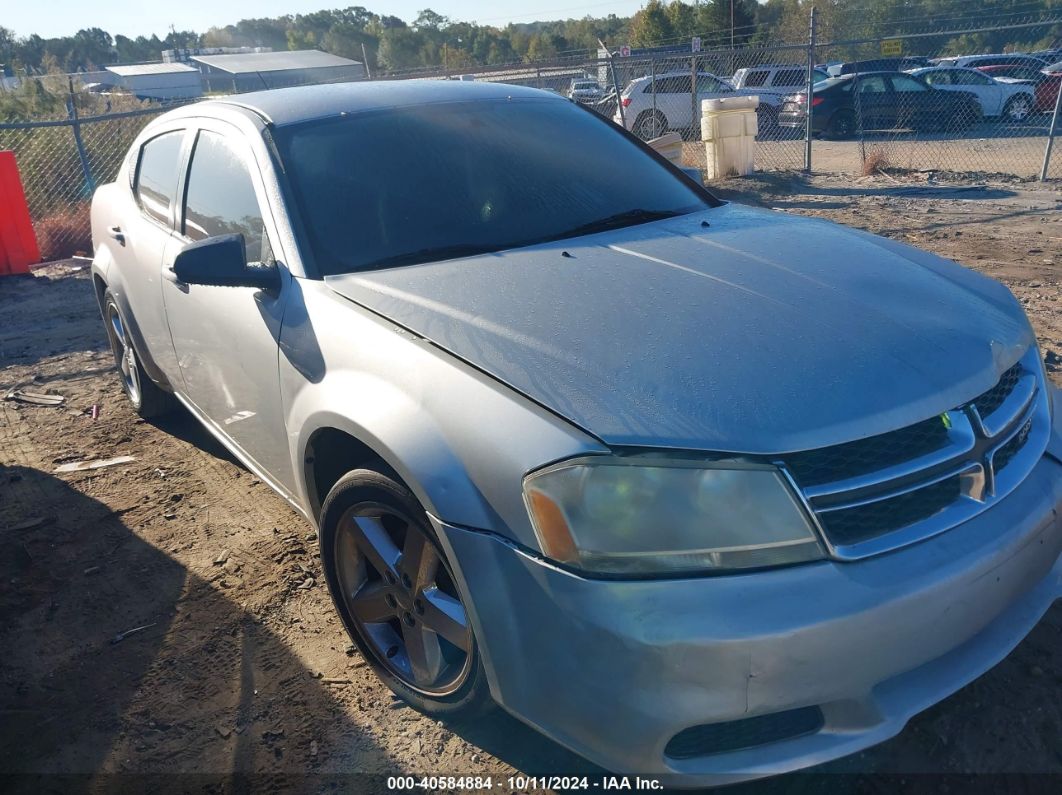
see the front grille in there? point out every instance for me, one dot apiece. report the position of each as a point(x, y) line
point(929, 476)
point(852, 459)
point(1005, 454)
point(991, 400)
point(735, 735)
point(857, 524)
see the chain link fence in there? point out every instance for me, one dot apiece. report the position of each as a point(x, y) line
point(904, 103)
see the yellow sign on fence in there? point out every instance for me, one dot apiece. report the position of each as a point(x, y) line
point(892, 47)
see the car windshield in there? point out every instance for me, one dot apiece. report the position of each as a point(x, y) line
point(419, 184)
point(1055, 67)
point(586, 85)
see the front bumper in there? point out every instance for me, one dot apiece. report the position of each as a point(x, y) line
point(614, 669)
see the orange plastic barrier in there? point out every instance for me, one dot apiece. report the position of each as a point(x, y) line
point(18, 243)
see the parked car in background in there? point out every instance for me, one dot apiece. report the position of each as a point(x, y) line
point(844, 106)
point(1044, 81)
point(585, 92)
point(1002, 59)
point(702, 492)
point(900, 64)
point(672, 107)
point(1013, 101)
point(772, 84)
point(1047, 89)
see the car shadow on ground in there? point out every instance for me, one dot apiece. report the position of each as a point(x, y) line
point(118, 659)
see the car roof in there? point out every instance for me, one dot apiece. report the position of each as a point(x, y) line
point(284, 106)
point(681, 73)
point(942, 67)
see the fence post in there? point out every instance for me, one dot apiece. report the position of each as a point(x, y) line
point(810, 88)
point(365, 61)
point(1051, 134)
point(71, 112)
point(652, 77)
point(615, 83)
point(694, 115)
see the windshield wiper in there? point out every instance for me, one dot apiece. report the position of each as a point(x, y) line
point(432, 254)
point(620, 220)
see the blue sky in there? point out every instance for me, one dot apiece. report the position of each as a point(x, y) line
point(135, 17)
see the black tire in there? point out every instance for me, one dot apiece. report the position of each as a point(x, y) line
point(148, 398)
point(368, 493)
point(1018, 109)
point(645, 129)
point(842, 125)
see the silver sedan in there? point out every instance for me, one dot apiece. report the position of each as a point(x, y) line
point(700, 491)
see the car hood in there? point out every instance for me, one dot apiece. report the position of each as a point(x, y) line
point(732, 330)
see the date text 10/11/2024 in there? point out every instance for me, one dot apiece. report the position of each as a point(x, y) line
point(522, 783)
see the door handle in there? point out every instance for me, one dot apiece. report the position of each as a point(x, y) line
point(116, 233)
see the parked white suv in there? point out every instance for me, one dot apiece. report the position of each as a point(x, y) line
point(772, 84)
point(673, 106)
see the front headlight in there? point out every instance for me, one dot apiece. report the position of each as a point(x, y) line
point(662, 516)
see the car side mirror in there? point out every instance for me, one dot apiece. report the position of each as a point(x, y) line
point(221, 261)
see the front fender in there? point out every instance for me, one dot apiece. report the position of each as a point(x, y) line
point(459, 439)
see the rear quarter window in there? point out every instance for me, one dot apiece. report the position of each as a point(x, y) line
point(156, 174)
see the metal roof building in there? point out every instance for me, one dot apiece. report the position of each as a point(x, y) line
point(157, 80)
point(261, 70)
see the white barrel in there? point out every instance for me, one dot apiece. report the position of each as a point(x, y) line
point(728, 129)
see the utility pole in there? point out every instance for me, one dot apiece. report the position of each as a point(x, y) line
point(731, 25)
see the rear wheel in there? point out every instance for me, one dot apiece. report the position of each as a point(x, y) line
point(397, 595)
point(147, 397)
point(841, 125)
point(650, 124)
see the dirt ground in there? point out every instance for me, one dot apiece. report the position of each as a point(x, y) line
point(238, 665)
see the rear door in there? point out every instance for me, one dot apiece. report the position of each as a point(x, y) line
point(875, 103)
point(226, 338)
point(141, 240)
point(917, 105)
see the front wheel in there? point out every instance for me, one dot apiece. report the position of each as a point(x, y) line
point(1018, 109)
point(398, 598)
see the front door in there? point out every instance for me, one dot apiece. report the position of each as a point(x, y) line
point(226, 338)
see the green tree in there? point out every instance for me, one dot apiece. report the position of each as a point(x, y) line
point(651, 25)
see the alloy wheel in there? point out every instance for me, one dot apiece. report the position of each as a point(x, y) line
point(124, 355)
point(1018, 109)
point(402, 597)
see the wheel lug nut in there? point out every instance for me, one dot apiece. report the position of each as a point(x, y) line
point(408, 618)
point(406, 581)
point(390, 578)
point(418, 606)
point(391, 601)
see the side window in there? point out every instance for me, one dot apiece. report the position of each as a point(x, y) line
point(905, 84)
point(976, 79)
point(674, 85)
point(756, 78)
point(788, 78)
point(156, 174)
point(707, 84)
point(942, 78)
point(873, 85)
point(220, 198)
